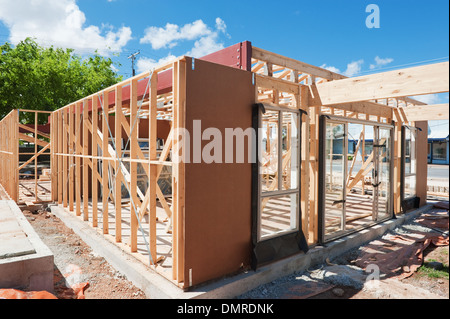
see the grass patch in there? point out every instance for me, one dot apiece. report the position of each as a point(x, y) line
point(425, 270)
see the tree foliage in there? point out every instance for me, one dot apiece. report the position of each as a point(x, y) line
point(37, 78)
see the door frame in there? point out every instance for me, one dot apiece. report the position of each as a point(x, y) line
point(322, 173)
point(277, 246)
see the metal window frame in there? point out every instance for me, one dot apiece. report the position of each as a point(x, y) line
point(412, 200)
point(285, 243)
point(321, 205)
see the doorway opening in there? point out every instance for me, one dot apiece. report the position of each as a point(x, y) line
point(356, 171)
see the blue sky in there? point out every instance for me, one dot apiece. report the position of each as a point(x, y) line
point(327, 33)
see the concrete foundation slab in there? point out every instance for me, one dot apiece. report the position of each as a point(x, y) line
point(26, 263)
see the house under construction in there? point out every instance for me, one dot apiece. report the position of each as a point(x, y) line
point(148, 164)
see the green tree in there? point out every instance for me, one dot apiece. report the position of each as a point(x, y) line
point(37, 78)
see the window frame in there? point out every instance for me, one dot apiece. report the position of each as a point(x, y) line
point(287, 242)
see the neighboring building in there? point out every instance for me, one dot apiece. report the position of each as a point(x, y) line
point(438, 147)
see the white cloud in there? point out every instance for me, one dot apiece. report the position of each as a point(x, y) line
point(146, 64)
point(168, 36)
point(379, 62)
point(330, 68)
point(205, 46)
point(206, 38)
point(353, 68)
point(60, 23)
point(222, 27)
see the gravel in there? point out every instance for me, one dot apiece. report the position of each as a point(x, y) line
point(342, 274)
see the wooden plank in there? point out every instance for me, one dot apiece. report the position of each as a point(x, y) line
point(426, 112)
point(181, 105)
point(32, 130)
point(65, 142)
point(94, 162)
point(176, 263)
point(133, 166)
point(60, 158)
point(153, 185)
point(118, 176)
point(79, 150)
point(15, 157)
point(292, 64)
point(304, 174)
point(105, 144)
point(34, 156)
point(427, 79)
point(71, 159)
point(53, 158)
point(85, 162)
point(314, 174)
point(31, 139)
point(276, 84)
point(397, 158)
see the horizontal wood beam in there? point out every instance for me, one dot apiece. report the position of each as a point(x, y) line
point(421, 80)
point(369, 108)
point(426, 112)
point(272, 83)
point(267, 56)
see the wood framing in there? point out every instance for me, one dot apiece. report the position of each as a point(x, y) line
point(108, 166)
point(379, 97)
point(128, 160)
point(427, 79)
point(426, 112)
point(20, 174)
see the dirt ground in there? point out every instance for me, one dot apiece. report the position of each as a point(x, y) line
point(425, 281)
point(78, 272)
point(434, 285)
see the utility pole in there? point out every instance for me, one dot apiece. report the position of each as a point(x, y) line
point(133, 57)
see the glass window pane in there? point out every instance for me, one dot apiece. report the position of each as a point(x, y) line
point(334, 177)
point(439, 151)
point(290, 148)
point(269, 151)
point(410, 186)
point(384, 172)
point(279, 214)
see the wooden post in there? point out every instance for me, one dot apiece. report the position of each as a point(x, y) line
point(15, 159)
point(53, 161)
point(305, 163)
point(175, 264)
point(71, 152)
point(153, 168)
point(133, 165)
point(85, 162)
point(94, 161)
point(397, 153)
point(64, 157)
point(79, 151)
point(59, 120)
point(179, 168)
point(105, 163)
point(118, 177)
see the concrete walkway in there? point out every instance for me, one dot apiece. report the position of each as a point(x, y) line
point(26, 263)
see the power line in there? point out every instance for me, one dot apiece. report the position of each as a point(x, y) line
point(133, 57)
point(403, 65)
